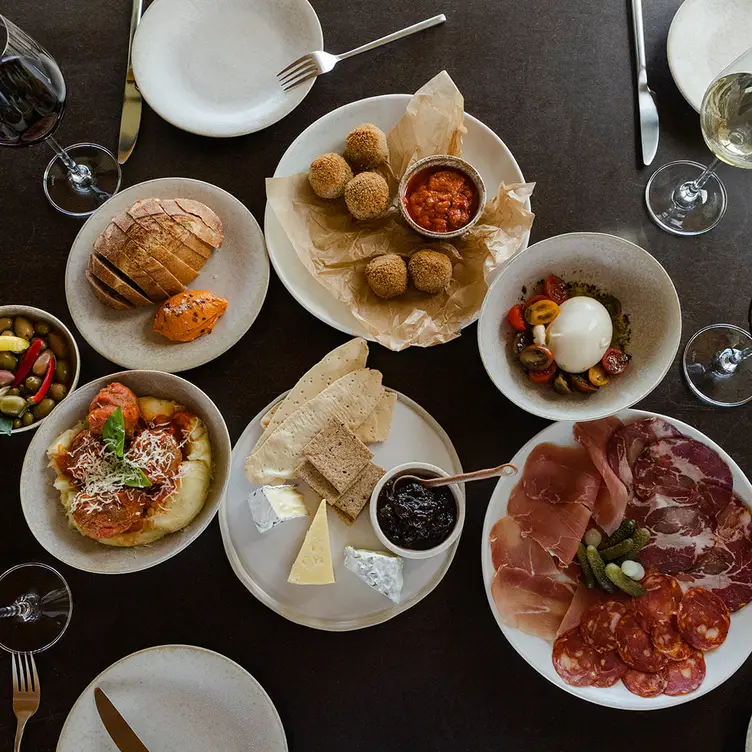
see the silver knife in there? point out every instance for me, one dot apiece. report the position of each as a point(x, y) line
point(117, 727)
point(131, 117)
point(649, 131)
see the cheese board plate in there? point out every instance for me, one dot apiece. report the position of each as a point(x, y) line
point(721, 663)
point(262, 562)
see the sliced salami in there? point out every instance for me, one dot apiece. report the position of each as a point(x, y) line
point(636, 648)
point(574, 660)
point(668, 641)
point(598, 625)
point(660, 602)
point(643, 684)
point(703, 619)
point(610, 668)
point(685, 676)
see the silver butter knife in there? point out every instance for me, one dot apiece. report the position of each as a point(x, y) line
point(131, 117)
point(117, 727)
point(649, 130)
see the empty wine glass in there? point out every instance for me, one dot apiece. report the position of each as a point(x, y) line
point(32, 103)
point(35, 608)
point(685, 198)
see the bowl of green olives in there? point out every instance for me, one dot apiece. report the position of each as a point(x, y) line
point(39, 366)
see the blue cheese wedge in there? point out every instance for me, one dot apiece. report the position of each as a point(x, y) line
point(273, 505)
point(378, 569)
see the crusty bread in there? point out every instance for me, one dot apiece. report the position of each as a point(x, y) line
point(106, 295)
point(196, 218)
point(110, 277)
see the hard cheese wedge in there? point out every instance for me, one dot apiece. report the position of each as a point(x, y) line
point(314, 563)
point(273, 505)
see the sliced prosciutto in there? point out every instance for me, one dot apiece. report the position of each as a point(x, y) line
point(584, 598)
point(613, 495)
point(510, 548)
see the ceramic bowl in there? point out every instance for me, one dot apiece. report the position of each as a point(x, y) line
point(40, 501)
point(37, 314)
point(421, 469)
point(614, 265)
point(442, 160)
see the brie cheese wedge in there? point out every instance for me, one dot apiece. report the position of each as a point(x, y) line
point(273, 505)
point(314, 563)
point(378, 569)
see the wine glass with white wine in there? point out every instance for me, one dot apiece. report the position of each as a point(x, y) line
point(685, 198)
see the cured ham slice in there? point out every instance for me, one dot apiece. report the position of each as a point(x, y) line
point(613, 496)
point(511, 549)
point(584, 598)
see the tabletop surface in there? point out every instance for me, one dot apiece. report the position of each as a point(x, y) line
point(554, 80)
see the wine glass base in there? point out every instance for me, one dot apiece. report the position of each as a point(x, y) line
point(80, 198)
point(671, 213)
point(722, 390)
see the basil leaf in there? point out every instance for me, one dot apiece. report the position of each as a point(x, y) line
point(6, 425)
point(136, 478)
point(113, 433)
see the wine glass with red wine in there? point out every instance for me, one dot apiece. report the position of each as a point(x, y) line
point(32, 103)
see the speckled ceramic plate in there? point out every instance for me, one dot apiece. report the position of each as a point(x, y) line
point(211, 68)
point(262, 562)
point(40, 501)
point(705, 36)
point(617, 267)
point(178, 698)
point(238, 272)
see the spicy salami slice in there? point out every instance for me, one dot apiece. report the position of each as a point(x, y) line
point(703, 619)
point(668, 641)
point(610, 668)
point(685, 676)
point(660, 602)
point(598, 625)
point(636, 648)
point(644, 685)
point(574, 660)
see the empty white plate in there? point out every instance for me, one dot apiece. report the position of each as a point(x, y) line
point(210, 67)
point(705, 36)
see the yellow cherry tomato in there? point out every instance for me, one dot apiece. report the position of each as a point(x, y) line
point(597, 375)
point(542, 312)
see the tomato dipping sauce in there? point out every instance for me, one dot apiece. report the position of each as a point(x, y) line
point(441, 199)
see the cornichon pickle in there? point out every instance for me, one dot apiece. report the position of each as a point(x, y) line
point(614, 552)
point(628, 585)
point(624, 531)
point(587, 572)
point(599, 569)
point(640, 539)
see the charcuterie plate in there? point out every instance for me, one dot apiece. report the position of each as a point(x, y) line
point(720, 663)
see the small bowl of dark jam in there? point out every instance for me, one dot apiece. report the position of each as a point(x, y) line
point(413, 521)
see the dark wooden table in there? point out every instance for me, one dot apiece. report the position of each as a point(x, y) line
point(554, 80)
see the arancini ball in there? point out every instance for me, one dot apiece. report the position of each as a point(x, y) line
point(367, 195)
point(328, 175)
point(387, 275)
point(366, 147)
point(430, 271)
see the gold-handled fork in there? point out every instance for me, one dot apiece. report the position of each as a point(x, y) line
point(26, 692)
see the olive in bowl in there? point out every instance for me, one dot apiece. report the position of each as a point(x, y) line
point(39, 366)
point(412, 521)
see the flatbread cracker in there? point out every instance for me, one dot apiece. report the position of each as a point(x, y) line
point(267, 419)
point(338, 455)
point(378, 424)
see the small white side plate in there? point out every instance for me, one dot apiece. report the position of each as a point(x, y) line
point(211, 67)
point(262, 562)
point(178, 698)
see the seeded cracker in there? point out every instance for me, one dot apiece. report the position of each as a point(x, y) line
point(338, 455)
point(310, 475)
point(353, 500)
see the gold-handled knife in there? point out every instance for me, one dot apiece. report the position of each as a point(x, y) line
point(131, 117)
point(117, 727)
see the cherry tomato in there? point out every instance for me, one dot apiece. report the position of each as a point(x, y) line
point(516, 318)
point(536, 358)
point(561, 385)
point(581, 384)
point(615, 361)
point(556, 289)
point(521, 341)
point(543, 377)
point(531, 301)
point(542, 312)
point(597, 375)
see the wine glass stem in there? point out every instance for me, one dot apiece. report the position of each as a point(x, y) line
point(6, 612)
point(79, 175)
point(689, 194)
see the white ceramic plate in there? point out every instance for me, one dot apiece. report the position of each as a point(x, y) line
point(178, 698)
point(704, 37)
point(721, 663)
point(211, 67)
point(40, 501)
point(262, 562)
point(482, 148)
point(238, 272)
point(616, 266)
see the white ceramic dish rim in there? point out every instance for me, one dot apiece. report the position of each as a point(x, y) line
point(488, 573)
point(307, 305)
point(542, 413)
point(97, 679)
point(324, 624)
point(22, 310)
point(409, 553)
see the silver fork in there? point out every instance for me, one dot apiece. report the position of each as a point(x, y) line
point(315, 63)
point(26, 692)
